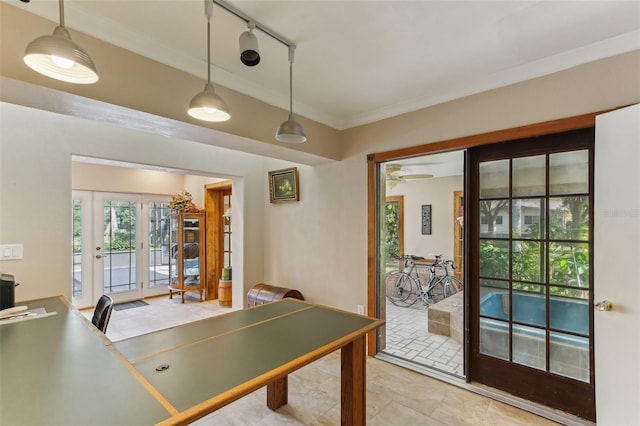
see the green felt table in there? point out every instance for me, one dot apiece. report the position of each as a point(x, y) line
point(177, 375)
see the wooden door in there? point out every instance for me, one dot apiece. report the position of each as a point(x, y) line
point(458, 234)
point(617, 266)
point(531, 282)
point(217, 201)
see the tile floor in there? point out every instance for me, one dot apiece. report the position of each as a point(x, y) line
point(395, 395)
point(408, 338)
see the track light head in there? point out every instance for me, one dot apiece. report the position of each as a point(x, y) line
point(249, 54)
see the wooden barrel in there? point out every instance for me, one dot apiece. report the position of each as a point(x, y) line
point(264, 293)
point(224, 293)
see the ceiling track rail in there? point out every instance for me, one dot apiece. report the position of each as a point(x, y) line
point(248, 20)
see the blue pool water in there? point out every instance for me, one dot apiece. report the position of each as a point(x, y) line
point(564, 314)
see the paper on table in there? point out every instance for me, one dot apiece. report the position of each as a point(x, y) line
point(12, 311)
point(24, 315)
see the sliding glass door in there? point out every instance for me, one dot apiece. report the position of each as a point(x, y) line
point(531, 228)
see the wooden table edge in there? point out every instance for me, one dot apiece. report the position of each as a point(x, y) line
point(206, 407)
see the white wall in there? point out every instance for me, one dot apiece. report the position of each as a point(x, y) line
point(36, 184)
point(319, 245)
point(97, 177)
point(439, 193)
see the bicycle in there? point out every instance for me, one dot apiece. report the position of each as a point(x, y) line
point(404, 287)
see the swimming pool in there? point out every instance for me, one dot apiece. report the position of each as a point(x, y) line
point(527, 343)
point(565, 314)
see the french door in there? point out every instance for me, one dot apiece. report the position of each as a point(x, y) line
point(119, 246)
point(531, 281)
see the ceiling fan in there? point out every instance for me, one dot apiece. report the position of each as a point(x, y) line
point(398, 173)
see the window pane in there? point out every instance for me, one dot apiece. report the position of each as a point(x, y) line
point(495, 303)
point(494, 338)
point(569, 172)
point(494, 179)
point(494, 259)
point(77, 249)
point(528, 261)
point(569, 264)
point(569, 218)
point(568, 314)
point(528, 218)
point(119, 245)
point(529, 304)
point(529, 175)
point(494, 218)
point(569, 292)
point(529, 347)
point(569, 356)
point(158, 244)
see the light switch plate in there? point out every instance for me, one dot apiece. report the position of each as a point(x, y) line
point(11, 251)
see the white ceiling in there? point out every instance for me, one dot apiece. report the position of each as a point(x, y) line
point(362, 61)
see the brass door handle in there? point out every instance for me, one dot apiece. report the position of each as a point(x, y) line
point(605, 305)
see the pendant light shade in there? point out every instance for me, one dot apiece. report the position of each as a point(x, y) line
point(291, 131)
point(207, 105)
point(57, 56)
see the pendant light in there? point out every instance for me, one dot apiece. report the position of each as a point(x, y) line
point(291, 131)
point(58, 57)
point(207, 105)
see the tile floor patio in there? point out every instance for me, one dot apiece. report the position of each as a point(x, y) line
point(408, 338)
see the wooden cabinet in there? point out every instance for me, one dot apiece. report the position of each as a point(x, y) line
point(187, 254)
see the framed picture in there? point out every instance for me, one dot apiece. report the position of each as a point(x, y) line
point(426, 219)
point(283, 185)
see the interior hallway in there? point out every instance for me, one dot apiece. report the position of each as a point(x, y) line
point(395, 395)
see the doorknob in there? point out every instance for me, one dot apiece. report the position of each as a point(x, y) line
point(98, 256)
point(605, 305)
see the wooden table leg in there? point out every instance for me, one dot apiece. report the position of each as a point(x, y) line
point(354, 392)
point(278, 393)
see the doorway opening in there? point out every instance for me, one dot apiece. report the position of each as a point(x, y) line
point(120, 218)
point(421, 224)
point(471, 212)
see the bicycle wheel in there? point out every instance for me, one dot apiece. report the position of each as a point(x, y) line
point(400, 289)
point(451, 286)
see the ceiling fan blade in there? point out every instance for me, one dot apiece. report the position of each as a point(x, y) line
point(424, 176)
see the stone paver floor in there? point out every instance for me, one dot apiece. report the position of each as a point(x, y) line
point(408, 338)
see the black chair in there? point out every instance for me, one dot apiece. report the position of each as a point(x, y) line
point(102, 313)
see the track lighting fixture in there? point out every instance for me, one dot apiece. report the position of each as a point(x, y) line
point(291, 131)
point(58, 57)
point(207, 105)
point(249, 54)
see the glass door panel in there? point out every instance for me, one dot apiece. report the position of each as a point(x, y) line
point(532, 313)
point(158, 246)
point(82, 253)
point(117, 233)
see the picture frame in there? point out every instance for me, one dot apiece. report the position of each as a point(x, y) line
point(284, 185)
point(426, 219)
